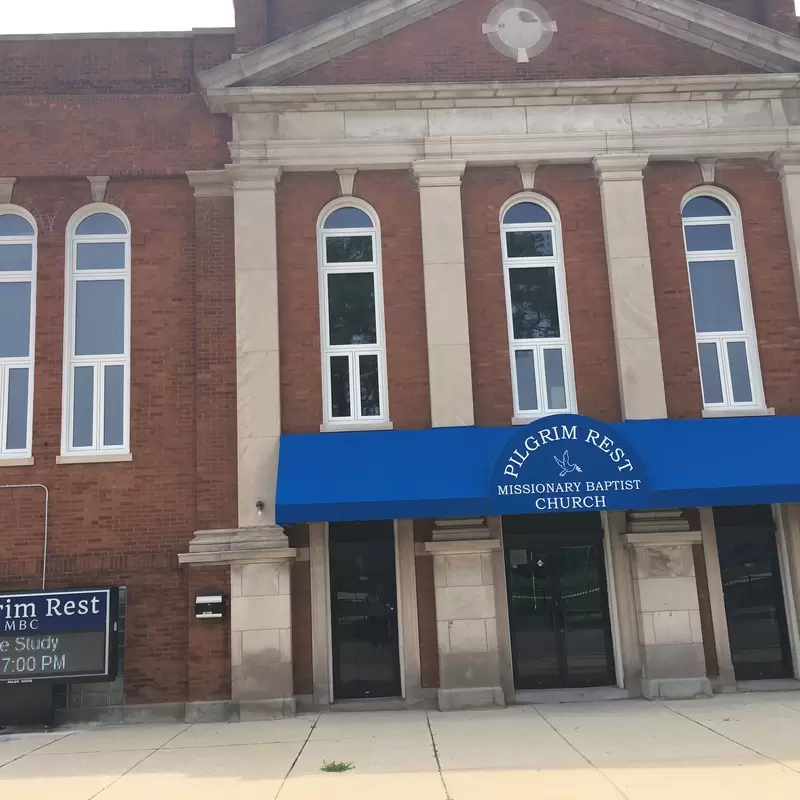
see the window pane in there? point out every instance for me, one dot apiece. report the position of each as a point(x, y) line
point(100, 318)
point(99, 224)
point(348, 218)
point(705, 207)
point(340, 386)
point(554, 379)
point(526, 380)
point(101, 255)
point(708, 237)
point(15, 225)
point(370, 394)
point(351, 308)
point(529, 244)
point(17, 426)
point(16, 257)
point(83, 407)
point(113, 405)
point(715, 296)
point(534, 305)
point(709, 373)
point(15, 319)
point(523, 213)
point(740, 372)
point(348, 249)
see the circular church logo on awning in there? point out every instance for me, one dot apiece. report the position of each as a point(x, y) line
point(520, 29)
point(567, 463)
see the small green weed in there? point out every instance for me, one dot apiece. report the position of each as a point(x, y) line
point(337, 766)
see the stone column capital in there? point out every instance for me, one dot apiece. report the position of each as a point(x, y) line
point(620, 166)
point(238, 546)
point(210, 183)
point(254, 177)
point(438, 172)
point(787, 162)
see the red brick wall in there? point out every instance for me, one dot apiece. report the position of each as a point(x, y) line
point(590, 43)
point(127, 108)
point(575, 192)
point(209, 646)
point(394, 196)
point(757, 188)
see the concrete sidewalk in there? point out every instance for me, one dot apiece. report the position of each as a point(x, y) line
point(734, 746)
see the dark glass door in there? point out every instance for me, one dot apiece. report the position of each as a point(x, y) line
point(365, 641)
point(751, 586)
point(558, 601)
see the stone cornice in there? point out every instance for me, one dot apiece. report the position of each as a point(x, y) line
point(509, 150)
point(499, 94)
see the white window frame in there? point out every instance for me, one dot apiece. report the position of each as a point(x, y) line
point(353, 352)
point(99, 362)
point(7, 364)
point(538, 346)
point(721, 339)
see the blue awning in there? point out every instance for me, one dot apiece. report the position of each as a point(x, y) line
point(453, 472)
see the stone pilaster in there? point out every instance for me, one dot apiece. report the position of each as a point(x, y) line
point(449, 364)
point(788, 166)
point(466, 614)
point(630, 278)
point(667, 606)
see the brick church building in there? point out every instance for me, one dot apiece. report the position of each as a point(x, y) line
point(394, 325)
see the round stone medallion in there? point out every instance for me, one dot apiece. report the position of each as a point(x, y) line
point(519, 29)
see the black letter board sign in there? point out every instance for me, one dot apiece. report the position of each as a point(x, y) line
point(60, 635)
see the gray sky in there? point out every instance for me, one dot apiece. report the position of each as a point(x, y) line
point(84, 16)
point(71, 16)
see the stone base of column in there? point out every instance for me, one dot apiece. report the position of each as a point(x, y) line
point(255, 710)
point(475, 697)
point(676, 688)
point(466, 617)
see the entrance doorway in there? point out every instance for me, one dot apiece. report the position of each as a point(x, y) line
point(558, 601)
point(364, 631)
point(753, 593)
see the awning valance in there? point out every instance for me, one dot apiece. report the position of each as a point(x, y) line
point(469, 471)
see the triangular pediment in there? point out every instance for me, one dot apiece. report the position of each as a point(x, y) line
point(714, 33)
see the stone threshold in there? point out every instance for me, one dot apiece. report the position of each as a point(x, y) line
point(593, 694)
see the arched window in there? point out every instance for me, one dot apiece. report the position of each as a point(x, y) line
point(17, 330)
point(353, 340)
point(97, 333)
point(723, 314)
point(536, 302)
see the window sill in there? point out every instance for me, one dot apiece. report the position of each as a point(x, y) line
point(94, 458)
point(537, 417)
point(713, 413)
point(334, 427)
point(16, 462)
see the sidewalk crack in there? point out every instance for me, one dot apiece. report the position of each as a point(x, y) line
point(140, 761)
point(436, 757)
point(297, 757)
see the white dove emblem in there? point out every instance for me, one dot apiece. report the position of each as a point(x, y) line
point(565, 464)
